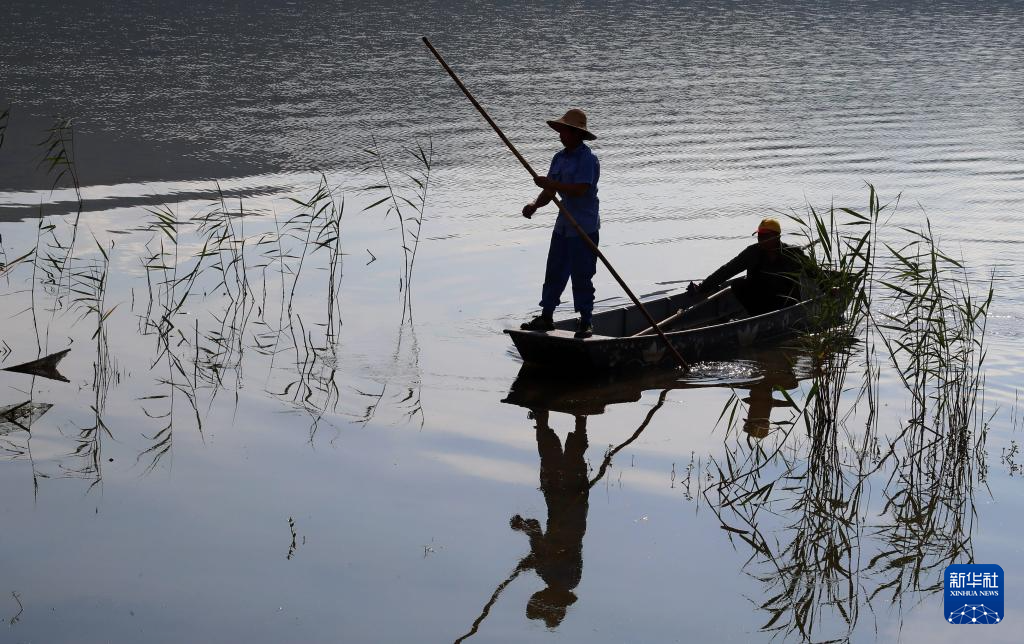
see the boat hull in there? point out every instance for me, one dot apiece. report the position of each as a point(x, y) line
point(560, 349)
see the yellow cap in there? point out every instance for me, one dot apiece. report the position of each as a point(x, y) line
point(769, 225)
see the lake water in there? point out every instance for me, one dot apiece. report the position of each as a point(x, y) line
point(265, 464)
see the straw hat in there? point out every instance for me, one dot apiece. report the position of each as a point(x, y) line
point(577, 120)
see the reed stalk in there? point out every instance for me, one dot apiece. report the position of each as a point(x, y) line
point(406, 197)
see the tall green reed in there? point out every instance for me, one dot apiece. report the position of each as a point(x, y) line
point(406, 197)
point(5, 119)
point(88, 287)
point(59, 161)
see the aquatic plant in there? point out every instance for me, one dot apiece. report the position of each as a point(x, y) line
point(409, 193)
point(59, 161)
point(59, 153)
point(320, 218)
point(88, 289)
point(5, 119)
point(220, 284)
point(914, 314)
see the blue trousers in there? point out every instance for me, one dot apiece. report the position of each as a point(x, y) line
point(570, 257)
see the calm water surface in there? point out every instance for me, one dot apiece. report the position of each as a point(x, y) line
point(374, 472)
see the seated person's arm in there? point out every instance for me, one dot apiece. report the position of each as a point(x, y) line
point(732, 268)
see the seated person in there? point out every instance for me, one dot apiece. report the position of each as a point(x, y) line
point(773, 272)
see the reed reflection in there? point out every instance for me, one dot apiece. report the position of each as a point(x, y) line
point(805, 507)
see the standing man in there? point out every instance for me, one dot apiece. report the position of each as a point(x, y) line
point(574, 173)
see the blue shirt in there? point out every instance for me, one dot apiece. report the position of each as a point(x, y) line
point(577, 166)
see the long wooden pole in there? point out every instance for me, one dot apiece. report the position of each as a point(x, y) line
point(561, 207)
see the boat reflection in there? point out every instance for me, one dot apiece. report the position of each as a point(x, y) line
point(760, 373)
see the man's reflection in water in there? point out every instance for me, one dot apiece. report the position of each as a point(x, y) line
point(557, 552)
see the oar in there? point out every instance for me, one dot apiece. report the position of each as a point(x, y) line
point(667, 321)
point(672, 318)
point(561, 207)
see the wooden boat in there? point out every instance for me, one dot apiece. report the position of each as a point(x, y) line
point(713, 328)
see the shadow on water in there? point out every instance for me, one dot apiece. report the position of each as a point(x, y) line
point(16, 421)
point(21, 416)
point(45, 367)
